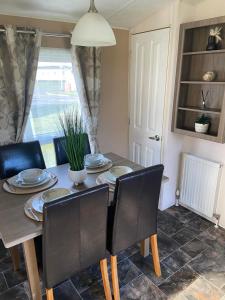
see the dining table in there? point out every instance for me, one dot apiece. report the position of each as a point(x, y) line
point(16, 228)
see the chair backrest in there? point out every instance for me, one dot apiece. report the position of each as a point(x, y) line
point(15, 158)
point(136, 206)
point(61, 157)
point(74, 233)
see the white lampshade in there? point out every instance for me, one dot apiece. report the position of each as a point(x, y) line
point(92, 30)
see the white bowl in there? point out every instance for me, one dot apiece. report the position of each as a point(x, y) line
point(32, 175)
point(94, 159)
point(54, 194)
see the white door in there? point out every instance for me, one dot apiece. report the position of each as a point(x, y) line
point(147, 94)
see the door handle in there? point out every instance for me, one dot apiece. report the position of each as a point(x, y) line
point(155, 138)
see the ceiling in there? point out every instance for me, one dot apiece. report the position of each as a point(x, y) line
point(120, 13)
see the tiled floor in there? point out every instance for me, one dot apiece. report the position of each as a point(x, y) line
point(192, 254)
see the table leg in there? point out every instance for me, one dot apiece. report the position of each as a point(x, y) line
point(14, 252)
point(145, 248)
point(32, 269)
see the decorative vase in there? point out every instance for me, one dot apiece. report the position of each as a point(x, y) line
point(212, 45)
point(78, 177)
point(201, 128)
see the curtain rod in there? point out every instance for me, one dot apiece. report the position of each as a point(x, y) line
point(51, 34)
point(136, 33)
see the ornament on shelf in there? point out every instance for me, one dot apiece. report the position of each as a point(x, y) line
point(204, 97)
point(214, 38)
point(209, 76)
point(202, 124)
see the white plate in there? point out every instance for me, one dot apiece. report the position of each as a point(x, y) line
point(100, 169)
point(109, 178)
point(56, 193)
point(105, 177)
point(116, 172)
point(101, 179)
point(37, 204)
point(14, 181)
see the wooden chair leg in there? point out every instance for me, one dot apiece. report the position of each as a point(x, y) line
point(105, 279)
point(155, 254)
point(49, 294)
point(14, 252)
point(115, 281)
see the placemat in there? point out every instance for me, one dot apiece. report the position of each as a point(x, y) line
point(20, 191)
point(99, 170)
point(30, 212)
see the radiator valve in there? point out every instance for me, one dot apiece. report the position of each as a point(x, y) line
point(177, 197)
point(217, 217)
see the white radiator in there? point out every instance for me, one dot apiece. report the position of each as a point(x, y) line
point(199, 184)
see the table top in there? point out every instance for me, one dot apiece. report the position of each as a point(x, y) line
point(16, 227)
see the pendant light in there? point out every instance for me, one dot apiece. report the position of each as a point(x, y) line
point(92, 30)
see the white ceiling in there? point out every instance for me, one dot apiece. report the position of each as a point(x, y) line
point(120, 13)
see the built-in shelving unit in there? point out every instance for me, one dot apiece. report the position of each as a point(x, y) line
point(193, 62)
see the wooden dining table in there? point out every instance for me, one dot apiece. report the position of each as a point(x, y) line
point(16, 228)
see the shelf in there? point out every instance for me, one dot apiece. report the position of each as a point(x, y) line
point(189, 132)
point(199, 109)
point(205, 52)
point(203, 82)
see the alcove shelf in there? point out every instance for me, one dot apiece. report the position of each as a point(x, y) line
point(205, 52)
point(193, 62)
point(200, 109)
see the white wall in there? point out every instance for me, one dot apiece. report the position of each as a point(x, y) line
point(169, 16)
point(210, 150)
point(181, 11)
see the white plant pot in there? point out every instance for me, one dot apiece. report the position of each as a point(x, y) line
point(201, 128)
point(78, 177)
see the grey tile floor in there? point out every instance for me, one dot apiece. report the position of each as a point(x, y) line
point(192, 254)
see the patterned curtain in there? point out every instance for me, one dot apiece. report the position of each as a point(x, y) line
point(18, 65)
point(87, 72)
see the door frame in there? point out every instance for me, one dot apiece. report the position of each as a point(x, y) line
point(165, 106)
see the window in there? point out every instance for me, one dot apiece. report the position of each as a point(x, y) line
point(54, 91)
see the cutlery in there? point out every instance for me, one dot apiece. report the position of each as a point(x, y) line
point(11, 187)
point(33, 214)
point(53, 176)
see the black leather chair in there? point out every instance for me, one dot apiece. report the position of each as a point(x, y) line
point(133, 217)
point(61, 157)
point(74, 236)
point(15, 158)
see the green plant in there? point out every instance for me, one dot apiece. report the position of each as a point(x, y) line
point(203, 119)
point(74, 142)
